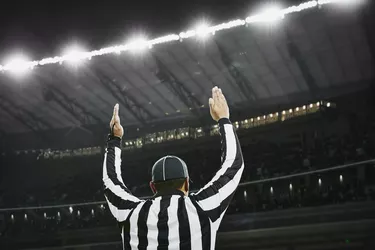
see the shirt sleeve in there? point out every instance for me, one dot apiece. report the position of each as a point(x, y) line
point(119, 198)
point(215, 196)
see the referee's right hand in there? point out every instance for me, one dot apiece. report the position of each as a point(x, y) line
point(218, 105)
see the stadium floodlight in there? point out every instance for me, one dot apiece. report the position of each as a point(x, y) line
point(138, 44)
point(203, 30)
point(19, 64)
point(74, 55)
point(269, 14)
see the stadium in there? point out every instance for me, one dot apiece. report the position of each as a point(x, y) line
point(299, 80)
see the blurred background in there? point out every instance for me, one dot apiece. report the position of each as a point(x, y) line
point(299, 78)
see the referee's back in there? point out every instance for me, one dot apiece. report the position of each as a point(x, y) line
point(172, 219)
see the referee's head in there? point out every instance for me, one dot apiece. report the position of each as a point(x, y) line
point(169, 173)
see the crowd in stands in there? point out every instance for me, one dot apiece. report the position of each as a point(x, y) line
point(77, 180)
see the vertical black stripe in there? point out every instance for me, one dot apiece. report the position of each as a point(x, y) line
point(163, 231)
point(184, 226)
point(205, 226)
point(126, 230)
point(142, 225)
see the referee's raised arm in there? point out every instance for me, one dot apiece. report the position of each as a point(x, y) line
point(120, 200)
point(215, 196)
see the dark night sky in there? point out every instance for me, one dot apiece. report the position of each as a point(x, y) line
point(43, 28)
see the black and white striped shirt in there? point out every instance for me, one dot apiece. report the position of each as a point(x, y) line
point(173, 220)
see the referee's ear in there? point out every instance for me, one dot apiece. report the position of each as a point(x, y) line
point(152, 186)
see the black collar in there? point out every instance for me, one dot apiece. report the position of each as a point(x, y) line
point(168, 193)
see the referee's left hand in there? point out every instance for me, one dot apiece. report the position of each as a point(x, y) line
point(115, 124)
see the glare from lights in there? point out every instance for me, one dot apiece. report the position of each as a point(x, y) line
point(246, 121)
point(74, 55)
point(25, 216)
point(258, 118)
point(19, 64)
point(92, 212)
point(328, 104)
point(264, 117)
point(270, 14)
point(271, 115)
point(271, 190)
point(237, 126)
point(318, 104)
point(58, 214)
point(79, 213)
point(341, 178)
point(304, 107)
point(290, 111)
point(45, 215)
point(199, 130)
point(12, 217)
point(203, 30)
point(152, 139)
point(139, 44)
point(102, 206)
point(290, 187)
point(297, 109)
point(320, 182)
point(126, 143)
point(284, 112)
point(71, 209)
point(251, 119)
point(311, 105)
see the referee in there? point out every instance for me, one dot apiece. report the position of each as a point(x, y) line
point(173, 218)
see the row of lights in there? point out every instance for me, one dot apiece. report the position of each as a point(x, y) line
point(76, 54)
point(184, 133)
point(341, 178)
point(58, 214)
point(102, 207)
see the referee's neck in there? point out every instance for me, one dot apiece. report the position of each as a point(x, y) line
point(170, 192)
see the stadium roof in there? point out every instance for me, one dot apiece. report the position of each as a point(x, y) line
point(320, 53)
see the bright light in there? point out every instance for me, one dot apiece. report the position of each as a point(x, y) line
point(58, 214)
point(343, 3)
point(258, 118)
point(297, 109)
point(245, 194)
point(290, 111)
point(74, 55)
point(139, 44)
point(251, 119)
point(284, 112)
point(12, 217)
point(290, 187)
point(271, 190)
point(269, 14)
point(304, 107)
point(78, 213)
point(318, 104)
point(70, 209)
point(320, 182)
point(45, 215)
point(328, 104)
point(311, 105)
point(199, 130)
point(25, 216)
point(271, 115)
point(246, 121)
point(203, 30)
point(92, 212)
point(19, 64)
point(341, 178)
